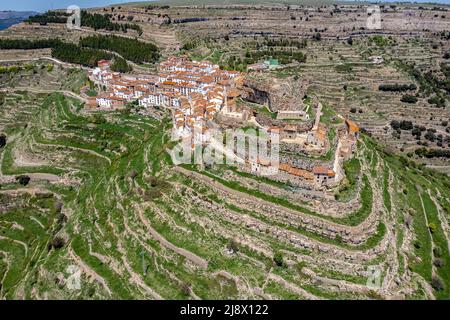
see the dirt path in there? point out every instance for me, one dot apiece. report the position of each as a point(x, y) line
point(219, 186)
point(189, 255)
point(92, 152)
point(292, 287)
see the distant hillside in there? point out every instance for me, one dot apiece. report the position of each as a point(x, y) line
point(9, 18)
point(281, 2)
point(232, 2)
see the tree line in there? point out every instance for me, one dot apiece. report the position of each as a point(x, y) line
point(67, 52)
point(7, 44)
point(130, 49)
point(120, 65)
point(187, 20)
point(99, 21)
point(48, 17)
point(96, 21)
point(432, 153)
point(282, 43)
point(71, 53)
point(397, 87)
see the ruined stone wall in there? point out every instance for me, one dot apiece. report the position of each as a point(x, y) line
point(269, 122)
point(257, 95)
point(304, 163)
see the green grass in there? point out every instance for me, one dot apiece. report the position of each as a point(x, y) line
point(440, 241)
point(347, 189)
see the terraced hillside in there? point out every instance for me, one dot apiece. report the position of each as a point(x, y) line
point(104, 200)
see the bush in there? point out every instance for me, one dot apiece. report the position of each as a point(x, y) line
point(278, 259)
point(58, 207)
point(186, 288)
point(120, 65)
point(342, 68)
point(403, 125)
point(23, 180)
point(409, 98)
point(2, 141)
point(397, 87)
point(232, 246)
point(437, 101)
point(437, 283)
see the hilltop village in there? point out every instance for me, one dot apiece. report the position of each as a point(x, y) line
point(196, 93)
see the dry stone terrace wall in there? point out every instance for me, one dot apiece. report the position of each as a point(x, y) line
point(277, 94)
point(354, 235)
point(266, 121)
point(294, 238)
point(307, 164)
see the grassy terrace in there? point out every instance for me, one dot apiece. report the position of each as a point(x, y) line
point(352, 169)
point(427, 227)
point(126, 185)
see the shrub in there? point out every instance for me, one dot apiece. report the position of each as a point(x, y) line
point(409, 98)
point(432, 227)
point(58, 207)
point(120, 65)
point(397, 87)
point(437, 252)
point(186, 288)
point(437, 101)
point(232, 246)
point(278, 259)
point(2, 141)
point(437, 283)
point(56, 243)
point(23, 180)
point(403, 125)
point(438, 262)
